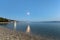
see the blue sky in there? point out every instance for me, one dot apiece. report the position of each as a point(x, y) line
point(40, 10)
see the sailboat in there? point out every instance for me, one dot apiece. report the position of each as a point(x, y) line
point(28, 29)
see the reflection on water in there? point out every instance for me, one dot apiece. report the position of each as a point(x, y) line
point(4, 24)
point(28, 29)
point(43, 29)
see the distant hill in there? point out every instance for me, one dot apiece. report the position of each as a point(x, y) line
point(47, 22)
point(51, 22)
point(3, 19)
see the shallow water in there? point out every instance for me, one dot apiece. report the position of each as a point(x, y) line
point(43, 29)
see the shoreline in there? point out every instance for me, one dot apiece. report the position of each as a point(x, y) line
point(6, 22)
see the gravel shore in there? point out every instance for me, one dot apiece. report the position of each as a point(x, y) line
point(7, 34)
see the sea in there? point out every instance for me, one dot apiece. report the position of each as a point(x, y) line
point(47, 29)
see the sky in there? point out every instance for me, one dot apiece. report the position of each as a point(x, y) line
point(30, 10)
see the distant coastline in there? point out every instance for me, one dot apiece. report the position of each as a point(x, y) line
point(47, 22)
point(51, 21)
point(5, 20)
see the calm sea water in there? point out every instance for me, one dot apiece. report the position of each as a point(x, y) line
point(43, 29)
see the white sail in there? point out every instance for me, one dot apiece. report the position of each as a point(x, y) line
point(14, 24)
point(28, 29)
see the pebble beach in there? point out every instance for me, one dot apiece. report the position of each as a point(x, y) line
point(7, 34)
